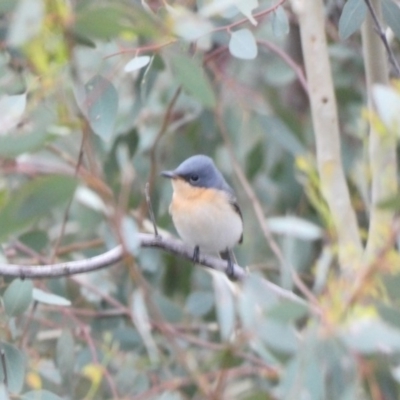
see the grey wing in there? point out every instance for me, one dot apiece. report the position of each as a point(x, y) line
point(237, 209)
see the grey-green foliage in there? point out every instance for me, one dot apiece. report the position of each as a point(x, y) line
point(155, 325)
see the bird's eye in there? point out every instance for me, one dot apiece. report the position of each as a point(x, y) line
point(194, 178)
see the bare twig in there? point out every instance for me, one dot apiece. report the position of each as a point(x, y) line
point(381, 148)
point(288, 60)
point(381, 33)
point(68, 207)
point(150, 209)
point(116, 255)
point(232, 373)
point(160, 134)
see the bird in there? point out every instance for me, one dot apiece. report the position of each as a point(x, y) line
point(204, 209)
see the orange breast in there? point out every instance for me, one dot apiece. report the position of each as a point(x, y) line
point(204, 217)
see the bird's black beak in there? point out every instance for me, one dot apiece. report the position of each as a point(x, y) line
point(168, 174)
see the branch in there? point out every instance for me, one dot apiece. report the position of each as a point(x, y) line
point(325, 122)
point(375, 11)
point(382, 148)
point(288, 60)
point(116, 255)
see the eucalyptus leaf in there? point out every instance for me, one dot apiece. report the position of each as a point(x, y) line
point(242, 44)
point(28, 18)
point(291, 225)
point(3, 390)
point(65, 356)
point(199, 303)
point(100, 22)
point(129, 231)
point(11, 111)
point(50, 298)
point(387, 101)
point(371, 336)
point(14, 144)
point(280, 22)
point(40, 395)
point(14, 361)
point(137, 63)
point(246, 7)
point(141, 320)
point(225, 306)
point(101, 106)
point(353, 15)
point(191, 76)
point(33, 201)
point(391, 15)
point(18, 297)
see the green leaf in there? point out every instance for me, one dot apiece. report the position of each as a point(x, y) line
point(294, 226)
point(11, 111)
point(65, 356)
point(372, 336)
point(353, 15)
point(278, 336)
point(18, 297)
point(242, 44)
point(33, 201)
point(280, 22)
point(140, 318)
point(246, 7)
point(280, 133)
point(36, 240)
point(170, 311)
point(392, 203)
point(49, 298)
point(100, 22)
point(137, 63)
point(391, 15)
point(199, 303)
point(392, 284)
point(387, 101)
point(389, 314)
point(129, 231)
point(190, 26)
point(190, 74)
point(101, 106)
point(15, 367)
point(225, 306)
point(40, 395)
point(13, 145)
point(286, 311)
point(26, 22)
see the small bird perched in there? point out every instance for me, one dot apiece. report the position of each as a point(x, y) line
point(204, 208)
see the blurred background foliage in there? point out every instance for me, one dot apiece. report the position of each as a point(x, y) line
point(96, 98)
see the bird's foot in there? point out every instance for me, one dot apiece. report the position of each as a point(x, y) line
point(196, 254)
point(230, 271)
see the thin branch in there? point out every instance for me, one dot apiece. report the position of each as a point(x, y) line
point(68, 207)
point(382, 148)
point(233, 374)
point(381, 33)
point(115, 255)
point(150, 209)
point(256, 16)
point(288, 60)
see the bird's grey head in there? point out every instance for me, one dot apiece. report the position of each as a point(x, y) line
point(199, 171)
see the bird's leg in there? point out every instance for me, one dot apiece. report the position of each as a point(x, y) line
point(196, 254)
point(230, 272)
